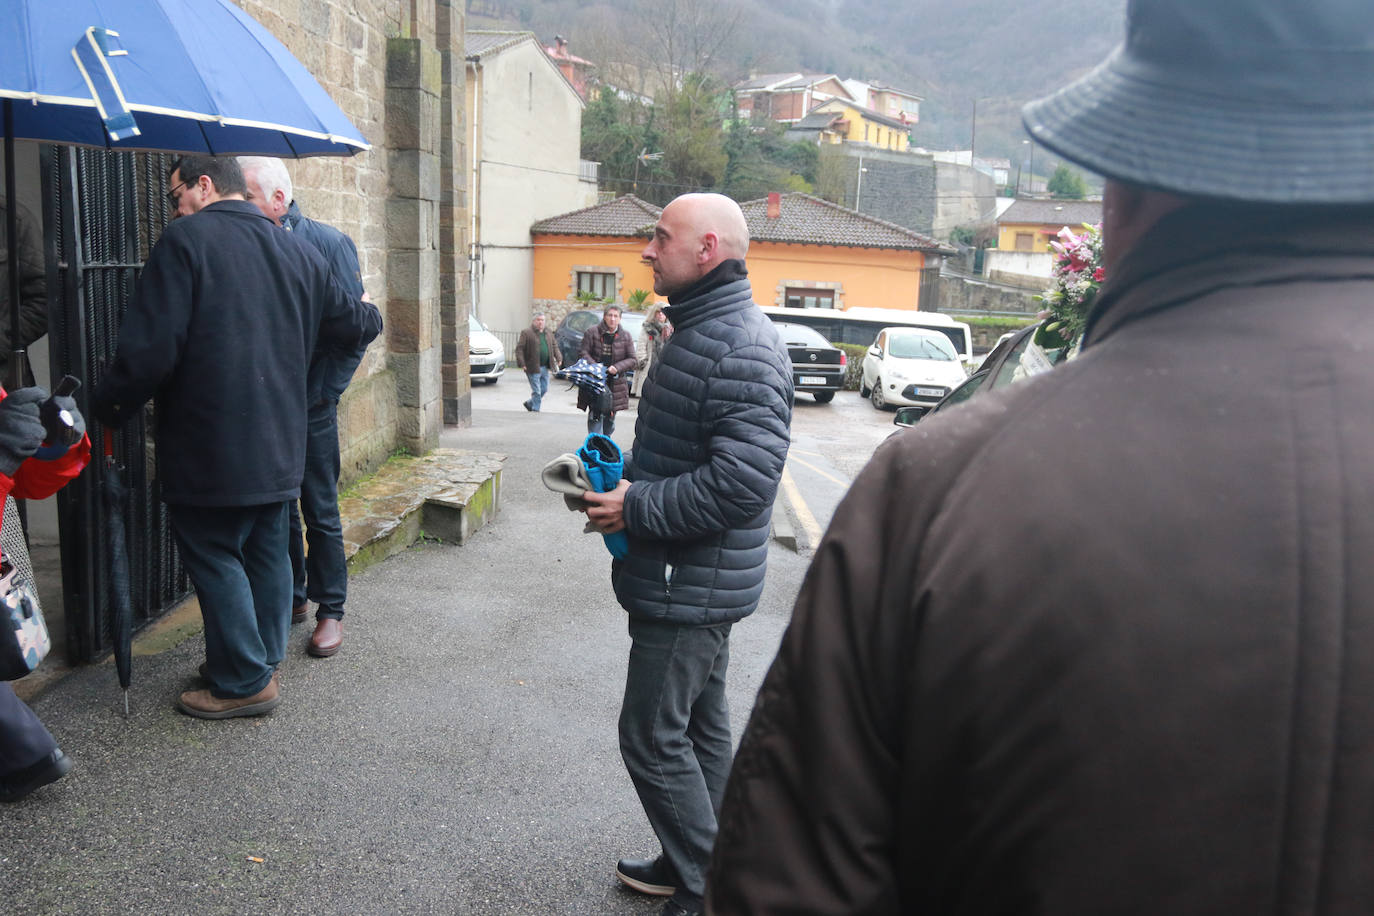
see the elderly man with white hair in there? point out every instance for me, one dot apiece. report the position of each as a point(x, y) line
point(322, 574)
point(710, 442)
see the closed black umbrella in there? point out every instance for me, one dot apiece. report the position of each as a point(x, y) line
point(115, 496)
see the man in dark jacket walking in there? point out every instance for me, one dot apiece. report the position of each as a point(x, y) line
point(536, 352)
point(322, 574)
point(1102, 642)
point(227, 312)
point(612, 346)
point(710, 443)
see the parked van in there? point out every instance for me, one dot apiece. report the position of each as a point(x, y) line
point(861, 325)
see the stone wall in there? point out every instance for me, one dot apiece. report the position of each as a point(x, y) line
point(964, 197)
point(897, 187)
point(963, 295)
point(387, 64)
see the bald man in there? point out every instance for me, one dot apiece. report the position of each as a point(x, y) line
point(710, 441)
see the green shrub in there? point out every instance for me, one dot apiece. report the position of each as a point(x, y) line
point(854, 353)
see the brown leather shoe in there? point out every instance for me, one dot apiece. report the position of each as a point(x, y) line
point(204, 705)
point(299, 611)
point(327, 638)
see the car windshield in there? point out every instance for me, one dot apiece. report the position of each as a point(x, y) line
point(920, 346)
point(475, 324)
point(797, 335)
point(580, 321)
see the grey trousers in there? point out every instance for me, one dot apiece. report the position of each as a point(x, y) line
point(675, 740)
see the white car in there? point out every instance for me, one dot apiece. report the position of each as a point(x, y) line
point(485, 354)
point(910, 366)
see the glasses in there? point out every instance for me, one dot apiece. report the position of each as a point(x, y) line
point(173, 197)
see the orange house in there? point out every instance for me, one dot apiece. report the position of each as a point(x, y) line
point(804, 252)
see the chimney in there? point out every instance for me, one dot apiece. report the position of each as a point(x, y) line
point(774, 205)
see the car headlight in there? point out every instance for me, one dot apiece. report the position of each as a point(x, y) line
point(896, 373)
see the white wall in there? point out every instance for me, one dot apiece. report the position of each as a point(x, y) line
point(529, 139)
point(1023, 263)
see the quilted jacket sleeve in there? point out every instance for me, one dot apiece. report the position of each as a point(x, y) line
point(748, 409)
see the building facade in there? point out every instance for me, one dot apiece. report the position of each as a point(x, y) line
point(803, 252)
point(524, 137)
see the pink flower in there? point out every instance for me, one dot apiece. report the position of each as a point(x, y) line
point(1099, 275)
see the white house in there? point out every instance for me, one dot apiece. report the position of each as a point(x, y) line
point(524, 139)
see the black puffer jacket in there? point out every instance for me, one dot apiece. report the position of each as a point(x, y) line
point(710, 443)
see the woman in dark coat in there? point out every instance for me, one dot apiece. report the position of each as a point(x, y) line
point(612, 346)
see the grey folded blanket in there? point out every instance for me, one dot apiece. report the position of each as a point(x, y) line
point(565, 474)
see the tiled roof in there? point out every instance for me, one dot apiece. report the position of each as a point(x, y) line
point(479, 43)
point(868, 113)
point(1071, 213)
point(816, 120)
point(781, 81)
point(624, 216)
point(884, 87)
point(804, 220)
point(808, 220)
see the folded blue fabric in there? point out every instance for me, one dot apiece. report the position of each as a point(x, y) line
point(601, 458)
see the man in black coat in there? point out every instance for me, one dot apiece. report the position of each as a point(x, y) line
point(711, 439)
point(322, 574)
point(220, 332)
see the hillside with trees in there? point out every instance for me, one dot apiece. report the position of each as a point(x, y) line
point(995, 51)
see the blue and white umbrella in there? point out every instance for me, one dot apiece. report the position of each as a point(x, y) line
point(189, 76)
point(585, 374)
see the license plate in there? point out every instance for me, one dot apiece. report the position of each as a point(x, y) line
point(812, 380)
point(931, 392)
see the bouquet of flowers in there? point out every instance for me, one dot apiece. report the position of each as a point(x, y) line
point(1077, 277)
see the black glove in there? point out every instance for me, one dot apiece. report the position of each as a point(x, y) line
point(63, 421)
point(21, 430)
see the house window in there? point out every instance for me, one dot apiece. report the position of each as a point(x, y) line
point(601, 285)
point(805, 298)
point(1025, 241)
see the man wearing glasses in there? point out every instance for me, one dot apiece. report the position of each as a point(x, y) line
point(226, 314)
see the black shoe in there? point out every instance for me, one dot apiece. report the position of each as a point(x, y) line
point(648, 876)
point(528, 407)
point(15, 785)
point(674, 908)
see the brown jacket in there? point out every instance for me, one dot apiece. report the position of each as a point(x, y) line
point(620, 353)
point(1102, 642)
point(527, 350)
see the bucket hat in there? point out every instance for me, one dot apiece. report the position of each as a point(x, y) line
point(1270, 101)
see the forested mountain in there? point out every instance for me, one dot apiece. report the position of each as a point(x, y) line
point(1000, 52)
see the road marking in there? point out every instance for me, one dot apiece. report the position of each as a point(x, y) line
point(804, 516)
point(797, 451)
point(806, 464)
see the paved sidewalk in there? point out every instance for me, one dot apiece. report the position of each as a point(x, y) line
point(458, 755)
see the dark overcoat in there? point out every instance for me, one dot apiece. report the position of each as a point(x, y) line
point(220, 333)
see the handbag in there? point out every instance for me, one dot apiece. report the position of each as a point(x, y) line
point(24, 640)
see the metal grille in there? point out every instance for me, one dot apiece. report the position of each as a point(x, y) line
point(106, 210)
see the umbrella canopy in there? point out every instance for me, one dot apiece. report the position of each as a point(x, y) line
point(585, 374)
point(192, 76)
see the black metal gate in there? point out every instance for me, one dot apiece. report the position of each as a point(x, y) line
point(105, 211)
